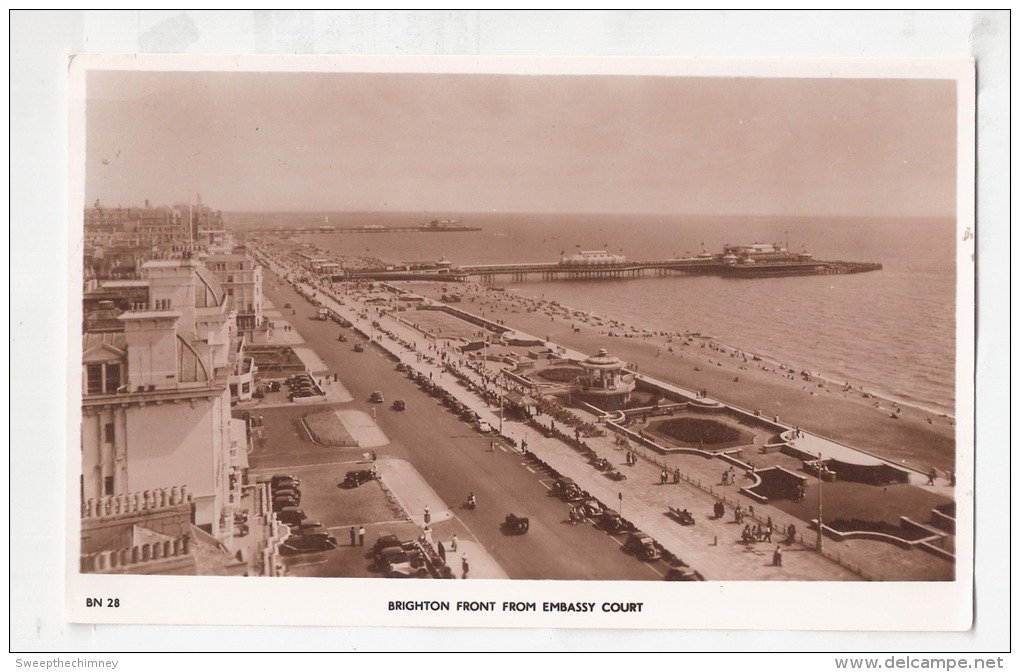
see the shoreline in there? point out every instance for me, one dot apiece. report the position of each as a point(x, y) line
point(919, 438)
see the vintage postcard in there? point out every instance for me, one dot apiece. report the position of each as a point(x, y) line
point(551, 343)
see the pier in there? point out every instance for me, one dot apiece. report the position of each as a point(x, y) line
point(491, 273)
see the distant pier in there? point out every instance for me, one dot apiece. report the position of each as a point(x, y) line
point(492, 273)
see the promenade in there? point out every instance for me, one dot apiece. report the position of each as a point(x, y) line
point(711, 546)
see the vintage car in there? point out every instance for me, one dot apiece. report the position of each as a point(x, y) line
point(281, 503)
point(612, 522)
point(402, 564)
point(377, 397)
point(353, 479)
point(358, 347)
point(399, 405)
point(307, 527)
point(514, 524)
point(641, 545)
point(308, 543)
point(683, 574)
point(567, 490)
point(277, 479)
point(291, 515)
point(386, 545)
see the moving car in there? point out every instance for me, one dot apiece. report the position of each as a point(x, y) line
point(641, 545)
point(358, 347)
point(399, 405)
point(514, 524)
point(377, 397)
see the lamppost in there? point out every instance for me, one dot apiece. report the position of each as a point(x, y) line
point(822, 471)
point(501, 391)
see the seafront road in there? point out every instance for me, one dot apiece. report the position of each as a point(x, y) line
point(711, 546)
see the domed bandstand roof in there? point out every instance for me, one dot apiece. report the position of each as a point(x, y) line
point(602, 360)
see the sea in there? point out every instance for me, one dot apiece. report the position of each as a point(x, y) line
point(892, 332)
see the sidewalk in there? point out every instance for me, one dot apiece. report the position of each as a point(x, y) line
point(413, 493)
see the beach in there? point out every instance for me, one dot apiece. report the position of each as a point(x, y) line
point(912, 437)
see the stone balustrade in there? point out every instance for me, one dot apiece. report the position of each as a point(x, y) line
point(135, 502)
point(120, 559)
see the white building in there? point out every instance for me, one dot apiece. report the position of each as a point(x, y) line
point(155, 398)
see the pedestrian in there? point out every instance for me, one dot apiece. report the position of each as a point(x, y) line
point(464, 565)
point(361, 536)
point(428, 515)
point(676, 475)
point(453, 544)
point(931, 477)
point(442, 552)
point(354, 536)
point(374, 457)
point(777, 557)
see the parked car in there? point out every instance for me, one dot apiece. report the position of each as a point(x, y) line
point(353, 479)
point(405, 564)
point(484, 427)
point(287, 492)
point(565, 488)
point(377, 397)
point(399, 405)
point(641, 545)
point(307, 527)
point(401, 367)
point(469, 416)
point(313, 543)
point(280, 503)
point(291, 515)
point(281, 480)
point(388, 544)
point(683, 574)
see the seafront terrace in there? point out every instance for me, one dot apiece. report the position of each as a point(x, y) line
point(710, 546)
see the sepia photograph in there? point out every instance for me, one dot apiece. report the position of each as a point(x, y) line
point(655, 326)
point(496, 330)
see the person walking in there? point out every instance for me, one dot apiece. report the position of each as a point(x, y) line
point(453, 544)
point(777, 557)
point(464, 566)
point(354, 536)
point(361, 536)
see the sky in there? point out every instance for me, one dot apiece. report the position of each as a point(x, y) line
point(257, 141)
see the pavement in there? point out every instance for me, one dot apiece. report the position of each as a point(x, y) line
point(414, 494)
point(711, 546)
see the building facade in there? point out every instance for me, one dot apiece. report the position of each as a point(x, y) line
point(155, 397)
